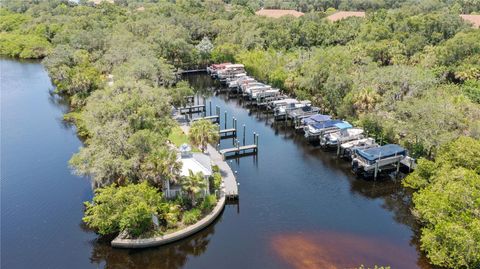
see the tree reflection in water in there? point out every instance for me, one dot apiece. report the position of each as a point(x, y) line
point(169, 256)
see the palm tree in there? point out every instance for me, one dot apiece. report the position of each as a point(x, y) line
point(161, 167)
point(203, 132)
point(194, 184)
point(365, 100)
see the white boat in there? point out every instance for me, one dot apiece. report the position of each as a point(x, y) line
point(235, 83)
point(364, 143)
point(281, 111)
point(229, 71)
point(341, 136)
point(318, 129)
point(252, 92)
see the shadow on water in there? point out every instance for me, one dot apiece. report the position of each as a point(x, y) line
point(171, 256)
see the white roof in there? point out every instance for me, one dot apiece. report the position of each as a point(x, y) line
point(195, 166)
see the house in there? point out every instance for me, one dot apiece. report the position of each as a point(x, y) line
point(340, 15)
point(194, 162)
point(277, 13)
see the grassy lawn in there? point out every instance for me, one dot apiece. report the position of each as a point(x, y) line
point(178, 137)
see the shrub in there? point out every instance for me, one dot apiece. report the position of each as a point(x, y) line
point(127, 208)
point(191, 216)
point(216, 180)
point(208, 203)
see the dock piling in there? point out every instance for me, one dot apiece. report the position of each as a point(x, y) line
point(225, 119)
point(244, 134)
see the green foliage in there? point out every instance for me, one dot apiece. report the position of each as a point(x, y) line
point(191, 216)
point(128, 126)
point(125, 208)
point(224, 53)
point(179, 93)
point(203, 132)
point(216, 180)
point(208, 203)
point(447, 203)
point(193, 184)
point(23, 46)
point(170, 213)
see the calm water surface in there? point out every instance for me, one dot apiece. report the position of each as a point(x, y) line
point(299, 206)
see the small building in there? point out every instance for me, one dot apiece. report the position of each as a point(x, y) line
point(340, 15)
point(194, 162)
point(277, 13)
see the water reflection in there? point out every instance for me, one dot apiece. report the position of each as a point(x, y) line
point(170, 256)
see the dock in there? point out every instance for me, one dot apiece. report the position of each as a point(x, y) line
point(192, 109)
point(238, 150)
point(228, 133)
point(213, 119)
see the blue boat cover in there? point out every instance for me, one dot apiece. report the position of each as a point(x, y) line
point(343, 125)
point(382, 152)
point(325, 124)
point(316, 118)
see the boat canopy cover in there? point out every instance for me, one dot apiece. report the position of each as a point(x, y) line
point(316, 118)
point(325, 124)
point(343, 125)
point(382, 152)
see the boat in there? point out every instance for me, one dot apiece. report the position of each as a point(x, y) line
point(373, 160)
point(234, 84)
point(313, 131)
point(348, 148)
point(315, 119)
point(229, 71)
point(344, 134)
point(252, 91)
point(280, 111)
point(213, 69)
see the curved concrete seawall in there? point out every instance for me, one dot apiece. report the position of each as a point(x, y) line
point(168, 238)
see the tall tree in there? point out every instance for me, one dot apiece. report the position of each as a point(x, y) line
point(203, 132)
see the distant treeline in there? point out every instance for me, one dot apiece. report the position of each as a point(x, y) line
point(463, 6)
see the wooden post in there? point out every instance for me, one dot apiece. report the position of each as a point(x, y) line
point(338, 147)
point(398, 167)
point(225, 119)
point(210, 104)
point(254, 137)
point(244, 134)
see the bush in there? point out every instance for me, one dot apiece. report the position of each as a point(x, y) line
point(127, 208)
point(191, 216)
point(216, 180)
point(170, 213)
point(208, 203)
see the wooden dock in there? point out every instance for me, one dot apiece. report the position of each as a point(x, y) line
point(239, 150)
point(214, 119)
point(228, 133)
point(192, 109)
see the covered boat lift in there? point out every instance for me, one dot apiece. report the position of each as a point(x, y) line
point(374, 160)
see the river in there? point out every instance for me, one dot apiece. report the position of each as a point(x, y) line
point(299, 207)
